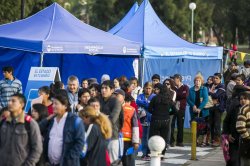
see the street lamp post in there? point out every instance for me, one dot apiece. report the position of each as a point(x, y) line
point(192, 7)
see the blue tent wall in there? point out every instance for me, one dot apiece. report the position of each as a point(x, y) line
point(86, 66)
point(188, 68)
point(21, 61)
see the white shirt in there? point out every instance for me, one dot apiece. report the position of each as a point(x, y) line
point(56, 140)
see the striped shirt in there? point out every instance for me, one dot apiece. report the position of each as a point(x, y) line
point(243, 122)
point(7, 89)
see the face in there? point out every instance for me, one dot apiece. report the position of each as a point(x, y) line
point(35, 114)
point(167, 84)
point(44, 95)
point(244, 100)
point(7, 74)
point(156, 90)
point(93, 92)
point(239, 81)
point(120, 98)
point(116, 83)
point(233, 67)
point(177, 81)
point(85, 98)
point(96, 106)
point(155, 81)
point(148, 90)
point(73, 86)
point(198, 82)
point(133, 84)
point(210, 80)
point(106, 91)
point(15, 105)
point(85, 84)
point(58, 107)
point(217, 80)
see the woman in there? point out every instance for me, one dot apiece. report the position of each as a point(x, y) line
point(83, 97)
point(84, 83)
point(116, 83)
point(136, 89)
point(197, 99)
point(100, 132)
point(65, 135)
point(94, 90)
point(44, 92)
point(169, 83)
point(143, 101)
point(39, 112)
point(209, 82)
point(160, 107)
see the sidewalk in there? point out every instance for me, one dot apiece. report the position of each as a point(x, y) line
point(214, 158)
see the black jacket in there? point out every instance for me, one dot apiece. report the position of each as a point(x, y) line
point(159, 110)
point(229, 123)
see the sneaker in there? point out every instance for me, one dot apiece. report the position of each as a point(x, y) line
point(172, 145)
point(180, 144)
point(162, 158)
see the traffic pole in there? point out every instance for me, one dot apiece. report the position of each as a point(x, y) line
point(194, 139)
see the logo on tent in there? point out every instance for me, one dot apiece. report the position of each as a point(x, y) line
point(124, 50)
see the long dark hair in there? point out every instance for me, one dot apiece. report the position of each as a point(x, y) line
point(165, 96)
point(42, 111)
point(64, 101)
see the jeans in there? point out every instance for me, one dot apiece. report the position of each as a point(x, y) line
point(145, 139)
point(159, 127)
point(244, 161)
point(179, 117)
point(215, 123)
point(128, 160)
point(234, 155)
point(169, 129)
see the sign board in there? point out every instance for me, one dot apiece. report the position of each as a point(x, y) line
point(38, 77)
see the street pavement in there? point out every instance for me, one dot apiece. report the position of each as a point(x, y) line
point(180, 156)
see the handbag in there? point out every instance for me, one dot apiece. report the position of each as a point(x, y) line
point(209, 102)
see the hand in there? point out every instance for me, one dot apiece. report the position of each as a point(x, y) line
point(79, 107)
point(198, 111)
point(231, 139)
point(136, 146)
point(194, 108)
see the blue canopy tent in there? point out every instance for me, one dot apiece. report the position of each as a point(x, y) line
point(54, 37)
point(125, 19)
point(164, 52)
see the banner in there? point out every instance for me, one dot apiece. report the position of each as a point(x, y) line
point(38, 77)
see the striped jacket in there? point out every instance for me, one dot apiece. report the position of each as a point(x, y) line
point(7, 89)
point(243, 122)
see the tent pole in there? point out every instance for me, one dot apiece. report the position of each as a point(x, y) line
point(141, 71)
point(41, 61)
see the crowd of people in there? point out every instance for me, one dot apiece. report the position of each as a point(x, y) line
point(90, 124)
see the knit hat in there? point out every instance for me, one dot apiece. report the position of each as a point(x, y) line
point(105, 77)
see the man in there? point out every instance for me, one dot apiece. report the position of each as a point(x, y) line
point(231, 84)
point(20, 138)
point(155, 79)
point(105, 77)
point(72, 90)
point(8, 86)
point(181, 103)
point(112, 107)
point(219, 97)
point(233, 68)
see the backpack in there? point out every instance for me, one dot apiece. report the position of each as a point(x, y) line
point(85, 146)
point(26, 125)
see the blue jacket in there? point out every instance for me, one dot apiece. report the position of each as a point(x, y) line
point(143, 102)
point(191, 101)
point(73, 139)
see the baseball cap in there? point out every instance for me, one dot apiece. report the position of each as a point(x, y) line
point(119, 91)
